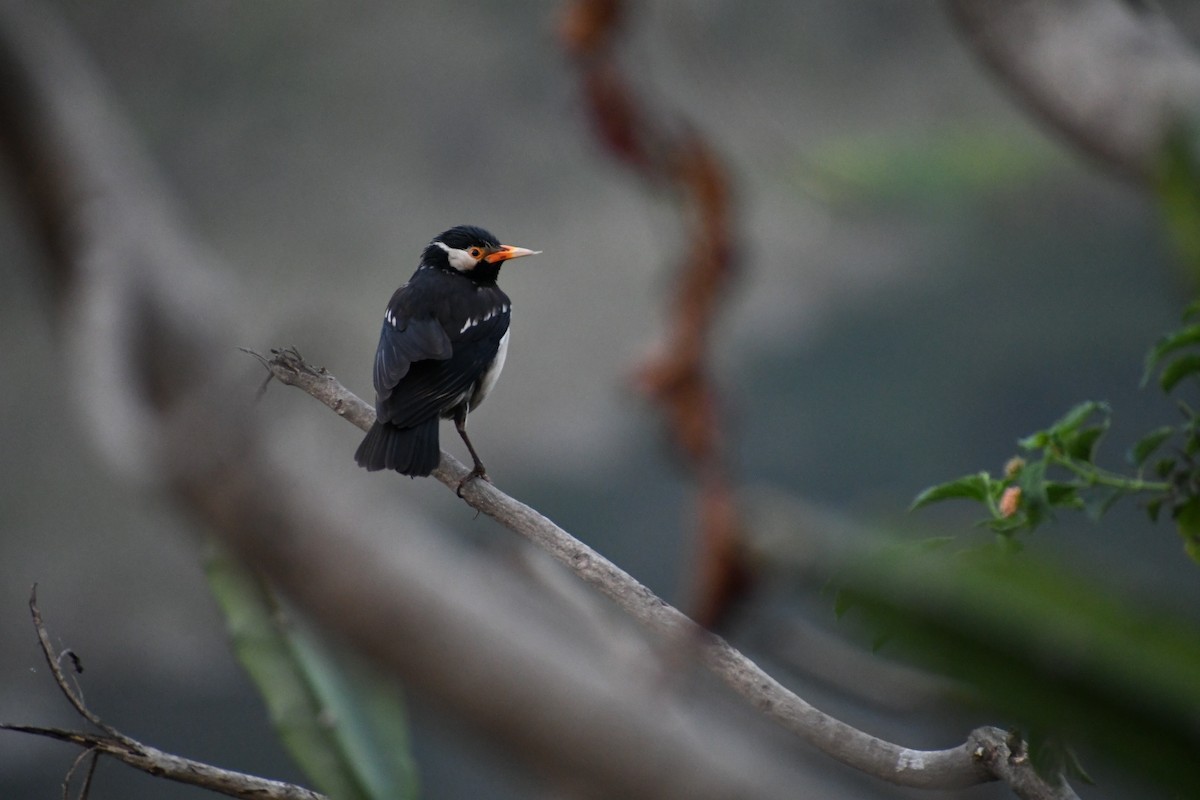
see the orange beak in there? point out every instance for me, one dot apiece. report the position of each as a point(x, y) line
point(508, 251)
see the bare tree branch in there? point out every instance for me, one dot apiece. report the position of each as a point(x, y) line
point(1007, 758)
point(1111, 76)
point(139, 756)
point(92, 757)
point(987, 754)
point(60, 678)
point(165, 765)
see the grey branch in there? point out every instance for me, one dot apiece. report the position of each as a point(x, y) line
point(1007, 758)
point(1113, 77)
point(139, 756)
point(989, 753)
point(175, 768)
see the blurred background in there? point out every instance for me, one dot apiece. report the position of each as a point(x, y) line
point(926, 276)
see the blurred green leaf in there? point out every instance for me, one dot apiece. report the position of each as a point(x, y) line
point(344, 726)
point(1063, 495)
point(366, 714)
point(1164, 467)
point(1171, 342)
point(1034, 441)
point(1082, 445)
point(1065, 431)
point(1192, 548)
point(969, 487)
point(1007, 526)
point(1046, 650)
point(1035, 499)
point(843, 601)
point(1179, 193)
point(1187, 522)
point(1179, 369)
point(1191, 445)
point(1074, 418)
point(1101, 499)
point(1146, 446)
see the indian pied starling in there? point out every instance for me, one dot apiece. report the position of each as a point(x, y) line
point(444, 338)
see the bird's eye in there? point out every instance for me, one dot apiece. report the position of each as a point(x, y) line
point(475, 252)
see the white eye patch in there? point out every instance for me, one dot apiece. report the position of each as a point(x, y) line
point(461, 260)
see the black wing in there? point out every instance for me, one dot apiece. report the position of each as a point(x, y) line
point(402, 342)
point(434, 387)
point(437, 341)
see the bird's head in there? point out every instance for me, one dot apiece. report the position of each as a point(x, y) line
point(471, 251)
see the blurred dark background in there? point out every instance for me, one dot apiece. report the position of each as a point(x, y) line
point(927, 277)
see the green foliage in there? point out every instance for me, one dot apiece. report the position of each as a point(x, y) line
point(1179, 193)
point(1057, 468)
point(342, 723)
point(1063, 658)
point(979, 486)
point(1038, 647)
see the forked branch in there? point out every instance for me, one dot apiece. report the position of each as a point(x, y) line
point(111, 742)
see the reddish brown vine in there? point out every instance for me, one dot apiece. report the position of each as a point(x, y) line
point(672, 155)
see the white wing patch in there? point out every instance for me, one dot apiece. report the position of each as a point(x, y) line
point(492, 314)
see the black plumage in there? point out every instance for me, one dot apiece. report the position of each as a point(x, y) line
point(443, 343)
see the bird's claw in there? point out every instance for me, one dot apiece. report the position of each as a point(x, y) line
point(478, 472)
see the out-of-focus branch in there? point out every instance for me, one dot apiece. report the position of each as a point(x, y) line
point(1111, 76)
point(674, 156)
point(142, 757)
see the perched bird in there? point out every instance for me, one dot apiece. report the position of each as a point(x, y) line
point(443, 343)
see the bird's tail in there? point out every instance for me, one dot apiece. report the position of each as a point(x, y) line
point(410, 451)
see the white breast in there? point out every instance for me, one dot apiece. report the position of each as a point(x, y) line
point(489, 378)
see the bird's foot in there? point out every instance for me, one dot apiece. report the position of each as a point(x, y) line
point(477, 472)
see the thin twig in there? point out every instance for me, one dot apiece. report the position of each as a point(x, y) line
point(143, 757)
point(175, 768)
point(262, 389)
point(94, 756)
point(56, 669)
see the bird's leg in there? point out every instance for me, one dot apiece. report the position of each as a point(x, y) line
point(460, 422)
